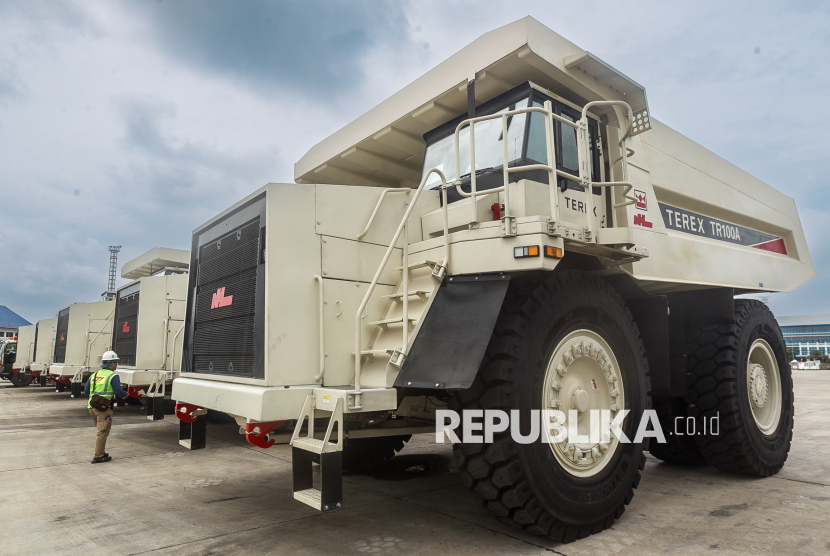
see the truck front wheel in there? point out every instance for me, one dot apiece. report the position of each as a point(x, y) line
point(19, 379)
point(569, 345)
point(741, 392)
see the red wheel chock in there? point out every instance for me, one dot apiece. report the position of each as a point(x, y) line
point(184, 411)
point(136, 391)
point(257, 437)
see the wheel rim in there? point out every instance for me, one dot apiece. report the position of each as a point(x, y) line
point(763, 383)
point(583, 375)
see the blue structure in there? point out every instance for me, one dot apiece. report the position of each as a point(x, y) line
point(10, 322)
point(806, 334)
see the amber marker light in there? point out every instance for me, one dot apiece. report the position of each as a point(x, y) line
point(529, 251)
point(553, 252)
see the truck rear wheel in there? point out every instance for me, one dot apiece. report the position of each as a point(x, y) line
point(571, 344)
point(739, 374)
point(680, 448)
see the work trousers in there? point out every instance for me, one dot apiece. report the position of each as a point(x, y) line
point(103, 421)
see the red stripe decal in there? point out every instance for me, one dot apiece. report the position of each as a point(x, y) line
point(776, 246)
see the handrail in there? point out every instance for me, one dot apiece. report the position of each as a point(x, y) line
point(547, 111)
point(581, 126)
point(173, 355)
point(358, 328)
point(320, 374)
point(625, 154)
point(164, 341)
point(377, 206)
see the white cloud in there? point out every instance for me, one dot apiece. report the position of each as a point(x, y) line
point(137, 107)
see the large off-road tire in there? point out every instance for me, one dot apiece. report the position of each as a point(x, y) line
point(535, 486)
point(680, 448)
point(362, 453)
point(740, 374)
point(21, 380)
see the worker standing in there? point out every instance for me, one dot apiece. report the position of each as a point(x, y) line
point(102, 388)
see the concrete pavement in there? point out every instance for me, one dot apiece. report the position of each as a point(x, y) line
point(155, 497)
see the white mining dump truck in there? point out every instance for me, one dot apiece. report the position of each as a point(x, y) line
point(83, 332)
point(44, 349)
point(148, 325)
point(22, 366)
point(590, 261)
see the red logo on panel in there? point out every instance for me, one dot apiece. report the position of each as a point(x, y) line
point(126, 327)
point(220, 300)
point(641, 203)
point(640, 220)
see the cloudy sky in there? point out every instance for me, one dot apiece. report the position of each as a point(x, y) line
point(133, 122)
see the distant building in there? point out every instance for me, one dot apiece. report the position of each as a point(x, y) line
point(10, 322)
point(806, 334)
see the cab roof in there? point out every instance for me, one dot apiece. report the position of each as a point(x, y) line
point(385, 146)
point(154, 260)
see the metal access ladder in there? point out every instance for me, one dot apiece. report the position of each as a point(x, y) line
point(329, 496)
point(389, 344)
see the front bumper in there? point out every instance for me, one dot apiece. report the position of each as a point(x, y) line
point(255, 403)
point(136, 377)
point(68, 370)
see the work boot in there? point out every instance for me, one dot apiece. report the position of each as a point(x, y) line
point(104, 459)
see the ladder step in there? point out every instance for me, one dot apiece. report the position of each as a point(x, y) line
point(313, 445)
point(386, 352)
point(422, 264)
point(387, 322)
point(399, 296)
point(311, 497)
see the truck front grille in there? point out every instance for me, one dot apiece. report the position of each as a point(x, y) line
point(125, 331)
point(224, 310)
point(60, 336)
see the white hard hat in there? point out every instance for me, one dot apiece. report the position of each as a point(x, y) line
point(109, 356)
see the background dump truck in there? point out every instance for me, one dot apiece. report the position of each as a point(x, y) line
point(22, 365)
point(44, 349)
point(590, 261)
point(82, 333)
point(148, 325)
point(8, 356)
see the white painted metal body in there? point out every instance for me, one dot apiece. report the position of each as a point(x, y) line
point(89, 335)
point(45, 345)
point(25, 348)
point(161, 308)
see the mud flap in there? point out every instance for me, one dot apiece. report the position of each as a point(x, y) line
point(452, 340)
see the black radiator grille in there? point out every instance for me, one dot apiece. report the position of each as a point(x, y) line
point(60, 337)
point(225, 303)
point(125, 330)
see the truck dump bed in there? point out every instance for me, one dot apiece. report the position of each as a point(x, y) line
point(704, 222)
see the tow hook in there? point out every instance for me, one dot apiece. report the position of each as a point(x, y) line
point(257, 433)
point(187, 412)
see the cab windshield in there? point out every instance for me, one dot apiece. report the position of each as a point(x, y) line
point(525, 143)
point(489, 149)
